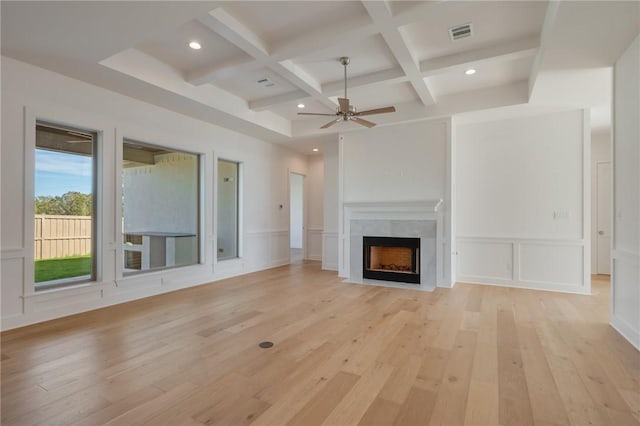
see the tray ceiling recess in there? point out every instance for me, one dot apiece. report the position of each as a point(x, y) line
point(259, 59)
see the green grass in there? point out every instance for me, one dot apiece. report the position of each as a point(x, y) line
point(64, 267)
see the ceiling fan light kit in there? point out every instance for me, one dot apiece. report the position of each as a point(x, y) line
point(348, 112)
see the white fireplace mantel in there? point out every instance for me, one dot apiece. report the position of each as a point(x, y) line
point(397, 207)
point(422, 210)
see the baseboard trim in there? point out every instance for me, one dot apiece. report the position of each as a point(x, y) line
point(524, 285)
point(329, 267)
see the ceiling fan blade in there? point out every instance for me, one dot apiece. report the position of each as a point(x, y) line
point(376, 111)
point(344, 104)
point(316, 113)
point(331, 123)
point(363, 122)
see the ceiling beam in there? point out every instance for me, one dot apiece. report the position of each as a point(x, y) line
point(381, 16)
point(509, 51)
point(548, 26)
point(305, 45)
point(297, 75)
point(235, 32)
point(232, 30)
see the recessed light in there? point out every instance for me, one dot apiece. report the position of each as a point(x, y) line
point(470, 71)
point(315, 150)
point(300, 105)
point(195, 45)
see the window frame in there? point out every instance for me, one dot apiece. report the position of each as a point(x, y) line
point(32, 121)
point(239, 209)
point(120, 263)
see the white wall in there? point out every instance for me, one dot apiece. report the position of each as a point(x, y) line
point(625, 309)
point(296, 212)
point(314, 206)
point(30, 93)
point(521, 202)
point(395, 163)
point(330, 206)
point(600, 153)
point(399, 163)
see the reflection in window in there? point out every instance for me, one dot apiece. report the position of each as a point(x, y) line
point(228, 175)
point(160, 222)
point(64, 246)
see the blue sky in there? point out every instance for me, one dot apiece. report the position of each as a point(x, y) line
point(57, 173)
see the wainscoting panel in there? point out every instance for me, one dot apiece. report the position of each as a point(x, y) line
point(57, 300)
point(554, 265)
point(551, 264)
point(266, 249)
point(314, 243)
point(16, 253)
point(229, 268)
point(12, 269)
point(487, 260)
point(625, 316)
point(280, 248)
point(330, 251)
point(256, 250)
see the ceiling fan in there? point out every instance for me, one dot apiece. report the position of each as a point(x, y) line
point(348, 112)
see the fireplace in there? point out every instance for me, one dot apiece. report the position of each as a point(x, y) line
point(391, 259)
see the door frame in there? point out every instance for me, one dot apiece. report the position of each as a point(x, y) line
point(304, 211)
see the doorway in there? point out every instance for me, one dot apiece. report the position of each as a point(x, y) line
point(228, 209)
point(603, 218)
point(296, 217)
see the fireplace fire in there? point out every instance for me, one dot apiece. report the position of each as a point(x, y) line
point(391, 259)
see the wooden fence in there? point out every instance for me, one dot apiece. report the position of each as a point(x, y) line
point(62, 236)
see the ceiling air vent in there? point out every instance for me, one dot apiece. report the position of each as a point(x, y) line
point(460, 31)
point(265, 82)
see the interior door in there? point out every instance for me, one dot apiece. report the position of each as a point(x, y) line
point(603, 220)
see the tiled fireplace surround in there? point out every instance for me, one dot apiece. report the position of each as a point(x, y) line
point(416, 219)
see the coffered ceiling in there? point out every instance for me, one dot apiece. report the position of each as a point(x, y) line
point(260, 59)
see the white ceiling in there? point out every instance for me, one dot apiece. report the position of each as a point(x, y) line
point(529, 56)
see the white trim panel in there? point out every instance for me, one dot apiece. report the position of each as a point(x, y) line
point(266, 249)
point(553, 265)
point(330, 251)
point(314, 243)
point(625, 301)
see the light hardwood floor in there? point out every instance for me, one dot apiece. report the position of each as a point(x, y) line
point(344, 354)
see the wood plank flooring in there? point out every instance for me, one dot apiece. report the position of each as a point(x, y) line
point(344, 354)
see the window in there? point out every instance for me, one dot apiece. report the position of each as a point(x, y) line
point(228, 209)
point(65, 206)
point(160, 205)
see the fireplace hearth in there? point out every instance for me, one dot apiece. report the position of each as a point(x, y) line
point(391, 259)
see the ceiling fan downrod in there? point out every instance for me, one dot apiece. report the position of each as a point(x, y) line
point(345, 61)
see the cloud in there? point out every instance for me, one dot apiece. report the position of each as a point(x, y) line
point(62, 163)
